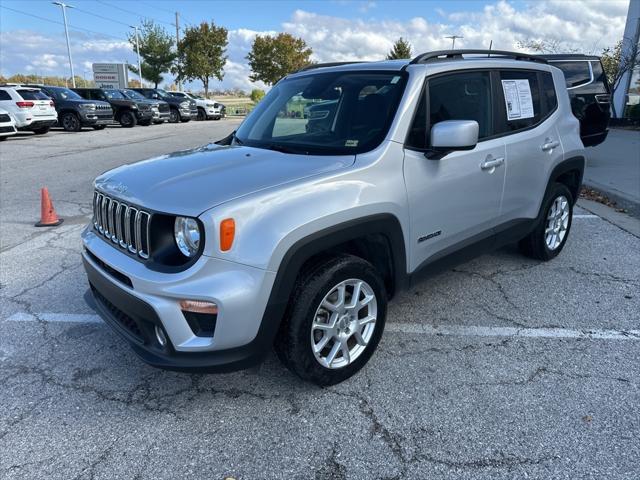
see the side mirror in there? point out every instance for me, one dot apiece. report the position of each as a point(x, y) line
point(155, 96)
point(452, 135)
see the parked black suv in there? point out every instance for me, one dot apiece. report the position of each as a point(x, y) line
point(126, 112)
point(181, 110)
point(161, 110)
point(74, 112)
point(589, 93)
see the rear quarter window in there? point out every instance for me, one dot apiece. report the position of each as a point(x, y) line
point(4, 95)
point(549, 92)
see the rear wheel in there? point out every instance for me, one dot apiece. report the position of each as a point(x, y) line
point(174, 116)
point(548, 238)
point(128, 119)
point(41, 130)
point(336, 321)
point(71, 122)
point(202, 115)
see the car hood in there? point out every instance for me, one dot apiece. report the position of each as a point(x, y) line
point(192, 181)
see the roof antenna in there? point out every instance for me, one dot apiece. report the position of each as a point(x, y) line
point(490, 45)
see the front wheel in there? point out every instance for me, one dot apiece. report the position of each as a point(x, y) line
point(99, 127)
point(547, 240)
point(202, 115)
point(71, 122)
point(334, 322)
point(174, 116)
point(128, 119)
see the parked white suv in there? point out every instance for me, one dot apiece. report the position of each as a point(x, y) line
point(31, 109)
point(295, 237)
point(206, 108)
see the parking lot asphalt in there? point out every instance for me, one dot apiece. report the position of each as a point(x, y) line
point(500, 368)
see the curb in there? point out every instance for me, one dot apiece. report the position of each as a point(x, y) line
point(623, 221)
point(622, 201)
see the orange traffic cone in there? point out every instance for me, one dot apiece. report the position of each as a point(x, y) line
point(48, 216)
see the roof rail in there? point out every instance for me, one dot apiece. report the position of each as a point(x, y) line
point(330, 64)
point(458, 55)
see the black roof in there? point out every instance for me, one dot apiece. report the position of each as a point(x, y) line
point(568, 56)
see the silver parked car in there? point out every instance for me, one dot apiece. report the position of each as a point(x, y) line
point(294, 237)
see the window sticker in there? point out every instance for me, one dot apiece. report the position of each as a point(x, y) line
point(517, 97)
point(395, 79)
point(351, 143)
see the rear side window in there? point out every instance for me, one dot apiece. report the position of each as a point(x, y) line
point(32, 95)
point(521, 105)
point(4, 95)
point(576, 73)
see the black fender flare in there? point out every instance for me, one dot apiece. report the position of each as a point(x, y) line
point(577, 163)
point(387, 225)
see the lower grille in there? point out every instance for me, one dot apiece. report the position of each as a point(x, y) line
point(122, 318)
point(7, 129)
point(4, 117)
point(125, 226)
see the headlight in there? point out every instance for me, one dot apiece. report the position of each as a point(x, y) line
point(184, 104)
point(134, 107)
point(187, 235)
point(88, 106)
point(211, 105)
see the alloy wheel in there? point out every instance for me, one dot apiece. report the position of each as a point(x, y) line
point(344, 323)
point(557, 222)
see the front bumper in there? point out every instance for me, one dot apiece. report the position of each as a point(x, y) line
point(144, 115)
point(187, 113)
point(133, 299)
point(91, 119)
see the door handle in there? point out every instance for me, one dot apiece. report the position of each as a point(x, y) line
point(492, 163)
point(549, 145)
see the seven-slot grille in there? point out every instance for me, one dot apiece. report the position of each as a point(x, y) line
point(124, 225)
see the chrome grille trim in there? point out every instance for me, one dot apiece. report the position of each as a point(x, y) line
point(124, 226)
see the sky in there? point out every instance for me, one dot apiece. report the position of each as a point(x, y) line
point(32, 34)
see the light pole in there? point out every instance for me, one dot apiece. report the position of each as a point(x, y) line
point(138, 52)
point(453, 40)
point(64, 7)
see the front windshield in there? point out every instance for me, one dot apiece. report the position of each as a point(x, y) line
point(66, 94)
point(113, 94)
point(132, 94)
point(337, 113)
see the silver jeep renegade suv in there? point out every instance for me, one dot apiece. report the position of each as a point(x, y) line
point(343, 185)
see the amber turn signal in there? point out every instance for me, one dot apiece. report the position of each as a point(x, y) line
point(199, 306)
point(227, 233)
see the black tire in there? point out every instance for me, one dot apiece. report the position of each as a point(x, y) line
point(185, 120)
point(202, 115)
point(41, 131)
point(144, 123)
point(99, 127)
point(293, 343)
point(128, 119)
point(535, 245)
point(3, 138)
point(71, 122)
point(174, 116)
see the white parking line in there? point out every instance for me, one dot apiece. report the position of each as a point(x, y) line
point(586, 216)
point(479, 331)
point(411, 328)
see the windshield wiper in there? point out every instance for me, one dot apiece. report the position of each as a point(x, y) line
point(283, 149)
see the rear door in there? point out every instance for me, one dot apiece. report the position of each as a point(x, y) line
point(590, 96)
point(525, 111)
point(455, 200)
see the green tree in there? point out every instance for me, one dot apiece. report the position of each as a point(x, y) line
point(401, 49)
point(156, 50)
point(271, 58)
point(257, 95)
point(201, 54)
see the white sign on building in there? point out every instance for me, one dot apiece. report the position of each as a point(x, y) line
point(110, 75)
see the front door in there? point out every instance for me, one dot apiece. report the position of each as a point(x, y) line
point(455, 200)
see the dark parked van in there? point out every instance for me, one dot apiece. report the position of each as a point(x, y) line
point(74, 112)
point(126, 112)
point(589, 92)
